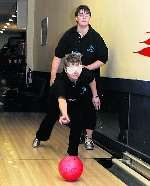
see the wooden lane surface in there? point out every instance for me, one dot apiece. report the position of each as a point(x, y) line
point(21, 165)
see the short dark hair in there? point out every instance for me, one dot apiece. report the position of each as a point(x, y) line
point(72, 58)
point(82, 7)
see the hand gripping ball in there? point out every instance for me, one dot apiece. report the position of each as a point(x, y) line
point(70, 168)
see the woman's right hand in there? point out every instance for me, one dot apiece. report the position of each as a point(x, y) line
point(63, 120)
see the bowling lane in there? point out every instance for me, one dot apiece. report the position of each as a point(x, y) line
point(21, 165)
point(45, 172)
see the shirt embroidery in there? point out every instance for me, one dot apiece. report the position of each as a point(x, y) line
point(90, 49)
point(83, 90)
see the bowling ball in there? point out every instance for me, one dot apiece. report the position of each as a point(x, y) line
point(70, 168)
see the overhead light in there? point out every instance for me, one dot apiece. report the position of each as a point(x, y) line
point(1, 31)
point(7, 24)
point(10, 19)
point(13, 15)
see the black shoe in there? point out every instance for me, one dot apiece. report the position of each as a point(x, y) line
point(36, 143)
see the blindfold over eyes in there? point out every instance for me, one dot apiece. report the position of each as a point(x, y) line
point(73, 69)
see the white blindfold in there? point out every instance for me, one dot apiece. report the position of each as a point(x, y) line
point(73, 69)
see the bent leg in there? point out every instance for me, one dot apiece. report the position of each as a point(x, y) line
point(89, 114)
point(50, 119)
point(90, 123)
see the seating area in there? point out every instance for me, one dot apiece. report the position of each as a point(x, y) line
point(17, 91)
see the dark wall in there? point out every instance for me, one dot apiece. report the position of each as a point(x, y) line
point(130, 99)
point(139, 126)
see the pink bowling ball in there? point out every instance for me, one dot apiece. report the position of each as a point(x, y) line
point(70, 168)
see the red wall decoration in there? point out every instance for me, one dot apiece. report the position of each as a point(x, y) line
point(145, 51)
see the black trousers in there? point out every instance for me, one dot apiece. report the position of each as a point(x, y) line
point(90, 118)
point(81, 113)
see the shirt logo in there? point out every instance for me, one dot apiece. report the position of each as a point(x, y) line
point(83, 90)
point(90, 49)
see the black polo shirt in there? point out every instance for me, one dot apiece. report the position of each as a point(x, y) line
point(71, 91)
point(91, 46)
